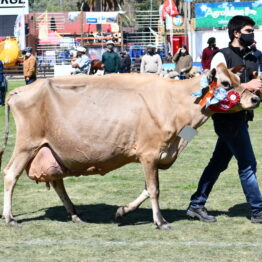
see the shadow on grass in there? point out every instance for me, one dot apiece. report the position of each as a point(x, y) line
point(104, 214)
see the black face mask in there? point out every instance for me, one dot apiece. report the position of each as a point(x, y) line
point(247, 39)
point(151, 52)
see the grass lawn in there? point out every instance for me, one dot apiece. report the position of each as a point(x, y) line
point(47, 234)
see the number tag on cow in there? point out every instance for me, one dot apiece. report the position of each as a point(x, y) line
point(187, 133)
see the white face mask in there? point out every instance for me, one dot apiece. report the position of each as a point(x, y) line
point(183, 51)
point(27, 54)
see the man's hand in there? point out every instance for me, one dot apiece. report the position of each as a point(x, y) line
point(253, 85)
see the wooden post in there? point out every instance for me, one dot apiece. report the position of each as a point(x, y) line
point(81, 24)
point(122, 33)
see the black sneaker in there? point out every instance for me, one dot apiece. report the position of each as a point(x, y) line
point(201, 214)
point(256, 219)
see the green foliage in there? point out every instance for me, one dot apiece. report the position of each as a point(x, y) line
point(53, 5)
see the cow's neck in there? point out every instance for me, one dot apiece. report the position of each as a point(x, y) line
point(192, 114)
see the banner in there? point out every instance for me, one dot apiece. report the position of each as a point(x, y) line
point(218, 14)
point(19, 31)
point(14, 7)
point(101, 17)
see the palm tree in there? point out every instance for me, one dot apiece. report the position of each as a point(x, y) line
point(103, 5)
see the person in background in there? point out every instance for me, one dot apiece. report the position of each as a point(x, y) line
point(110, 59)
point(137, 64)
point(208, 53)
point(29, 66)
point(82, 62)
point(3, 85)
point(183, 62)
point(258, 54)
point(151, 62)
point(125, 62)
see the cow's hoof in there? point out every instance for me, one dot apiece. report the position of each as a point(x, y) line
point(119, 214)
point(77, 219)
point(12, 223)
point(164, 227)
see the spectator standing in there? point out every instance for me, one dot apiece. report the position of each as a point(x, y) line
point(110, 59)
point(29, 66)
point(3, 85)
point(258, 55)
point(151, 62)
point(125, 62)
point(183, 62)
point(82, 62)
point(137, 64)
point(208, 53)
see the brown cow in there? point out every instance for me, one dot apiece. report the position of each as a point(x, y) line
point(83, 125)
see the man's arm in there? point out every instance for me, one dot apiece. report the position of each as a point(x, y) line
point(159, 62)
point(142, 66)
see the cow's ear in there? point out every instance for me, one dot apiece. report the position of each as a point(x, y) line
point(211, 75)
point(238, 69)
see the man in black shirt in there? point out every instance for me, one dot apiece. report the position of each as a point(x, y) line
point(232, 129)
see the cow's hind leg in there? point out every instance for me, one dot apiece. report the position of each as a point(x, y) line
point(152, 183)
point(11, 174)
point(59, 187)
point(121, 211)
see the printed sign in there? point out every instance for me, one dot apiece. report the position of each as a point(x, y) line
point(218, 14)
point(101, 17)
point(14, 7)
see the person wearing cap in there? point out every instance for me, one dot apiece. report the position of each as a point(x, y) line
point(110, 59)
point(125, 62)
point(151, 62)
point(29, 66)
point(82, 62)
point(208, 53)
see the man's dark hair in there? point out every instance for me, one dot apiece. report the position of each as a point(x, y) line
point(211, 40)
point(236, 23)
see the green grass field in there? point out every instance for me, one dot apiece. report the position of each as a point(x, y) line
point(47, 234)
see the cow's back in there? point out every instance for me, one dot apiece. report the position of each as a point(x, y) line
point(106, 120)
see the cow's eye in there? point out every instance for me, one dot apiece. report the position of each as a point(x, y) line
point(226, 84)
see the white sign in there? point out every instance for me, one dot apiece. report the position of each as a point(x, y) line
point(14, 7)
point(101, 17)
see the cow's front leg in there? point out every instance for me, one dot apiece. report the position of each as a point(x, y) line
point(121, 211)
point(59, 187)
point(152, 183)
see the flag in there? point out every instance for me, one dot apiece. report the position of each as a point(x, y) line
point(19, 30)
point(43, 27)
point(170, 8)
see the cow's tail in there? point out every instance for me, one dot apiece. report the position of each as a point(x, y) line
point(7, 118)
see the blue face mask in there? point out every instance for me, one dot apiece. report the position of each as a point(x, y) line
point(27, 54)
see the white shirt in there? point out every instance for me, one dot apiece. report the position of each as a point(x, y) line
point(217, 59)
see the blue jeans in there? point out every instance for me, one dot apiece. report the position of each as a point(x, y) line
point(233, 140)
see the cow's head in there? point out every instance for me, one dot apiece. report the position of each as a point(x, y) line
point(229, 80)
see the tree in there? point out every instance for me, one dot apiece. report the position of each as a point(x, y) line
point(103, 5)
